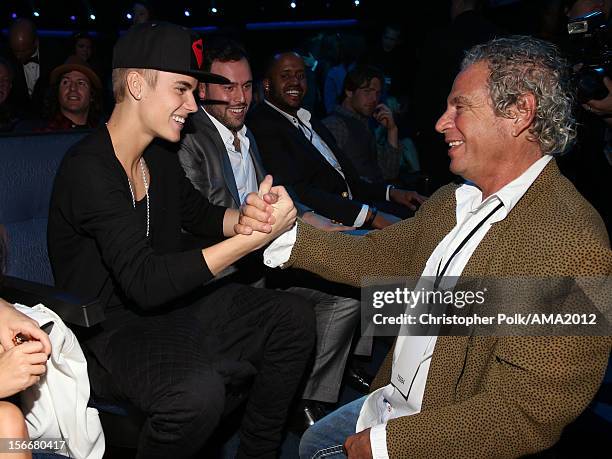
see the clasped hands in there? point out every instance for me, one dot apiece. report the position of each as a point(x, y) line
point(268, 213)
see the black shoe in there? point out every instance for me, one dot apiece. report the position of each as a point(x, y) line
point(306, 414)
point(358, 379)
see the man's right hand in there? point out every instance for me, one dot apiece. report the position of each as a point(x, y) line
point(256, 212)
point(270, 211)
point(382, 220)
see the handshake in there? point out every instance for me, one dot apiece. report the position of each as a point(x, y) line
point(268, 213)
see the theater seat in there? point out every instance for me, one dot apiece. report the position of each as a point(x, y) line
point(29, 164)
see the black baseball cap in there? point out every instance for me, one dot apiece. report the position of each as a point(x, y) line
point(163, 46)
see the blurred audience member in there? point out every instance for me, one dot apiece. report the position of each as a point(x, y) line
point(8, 117)
point(391, 57)
point(311, 53)
point(74, 100)
point(82, 46)
point(441, 57)
point(349, 123)
point(329, 52)
point(33, 62)
point(348, 54)
point(142, 11)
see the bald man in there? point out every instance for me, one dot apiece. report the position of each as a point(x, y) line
point(33, 60)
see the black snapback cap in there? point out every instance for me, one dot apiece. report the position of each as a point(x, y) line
point(163, 46)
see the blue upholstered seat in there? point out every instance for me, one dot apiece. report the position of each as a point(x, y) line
point(28, 164)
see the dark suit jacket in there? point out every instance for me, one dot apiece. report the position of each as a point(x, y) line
point(32, 105)
point(293, 161)
point(203, 156)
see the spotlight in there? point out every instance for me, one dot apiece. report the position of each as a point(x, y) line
point(213, 10)
point(292, 5)
point(356, 2)
point(129, 16)
point(92, 17)
point(73, 18)
point(36, 14)
point(14, 15)
point(187, 13)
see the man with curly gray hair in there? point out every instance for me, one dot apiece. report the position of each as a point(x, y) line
point(518, 89)
point(520, 65)
point(515, 216)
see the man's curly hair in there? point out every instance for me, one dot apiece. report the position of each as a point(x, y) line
point(520, 65)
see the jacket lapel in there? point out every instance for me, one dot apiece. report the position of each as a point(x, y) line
point(260, 172)
point(210, 131)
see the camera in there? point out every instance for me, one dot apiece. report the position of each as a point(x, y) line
point(589, 39)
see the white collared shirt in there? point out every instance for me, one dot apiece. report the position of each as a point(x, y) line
point(31, 70)
point(302, 122)
point(387, 403)
point(241, 161)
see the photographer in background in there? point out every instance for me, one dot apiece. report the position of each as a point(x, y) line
point(589, 163)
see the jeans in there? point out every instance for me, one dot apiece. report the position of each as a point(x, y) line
point(326, 437)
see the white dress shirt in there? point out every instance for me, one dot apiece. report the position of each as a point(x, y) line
point(412, 355)
point(31, 70)
point(302, 122)
point(241, 161)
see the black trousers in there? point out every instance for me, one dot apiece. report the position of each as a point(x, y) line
point(176, 368)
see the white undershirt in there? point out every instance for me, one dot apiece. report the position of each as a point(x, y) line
point(31, 71)
point(416, 351)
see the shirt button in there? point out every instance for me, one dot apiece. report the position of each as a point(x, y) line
point(345, 194)
point(268, 262)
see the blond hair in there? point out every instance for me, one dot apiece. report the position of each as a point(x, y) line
point(120, 83)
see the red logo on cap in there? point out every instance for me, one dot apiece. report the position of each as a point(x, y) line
point(198, 50)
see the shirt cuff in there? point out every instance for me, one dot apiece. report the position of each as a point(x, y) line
point(363, 213)
point(279, 251)
point(388, 194)
point(378, 441)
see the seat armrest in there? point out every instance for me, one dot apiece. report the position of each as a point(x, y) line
point(71, 309)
